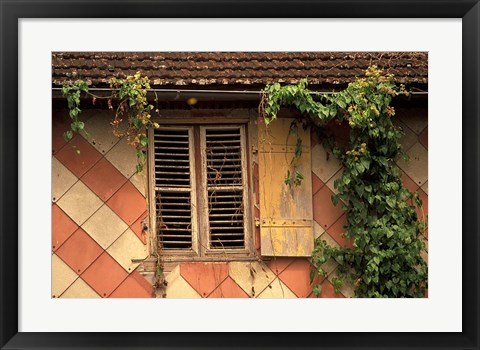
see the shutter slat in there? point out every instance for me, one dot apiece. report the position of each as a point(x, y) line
point(173, 166)
point(172, 160)
point(224, 177)
point(169, 142)
point(176, 210)
point(177, 229)
point(229, 135)
point(226, 234)
point(226, 215)
point(173, 188)
point(224, 172)
point(170, 154)
point(173, 173)
point(229, 147)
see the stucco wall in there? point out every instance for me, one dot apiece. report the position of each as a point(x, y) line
point(99, 203)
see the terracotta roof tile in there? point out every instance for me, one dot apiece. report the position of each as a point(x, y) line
point(236, 68)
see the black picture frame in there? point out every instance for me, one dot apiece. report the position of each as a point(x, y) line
point(11, 11)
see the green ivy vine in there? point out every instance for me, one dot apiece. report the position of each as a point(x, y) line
point(382, 224)
point(128, 99)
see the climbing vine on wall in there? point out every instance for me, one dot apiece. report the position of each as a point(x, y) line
point(384, 259)
point(128, 99)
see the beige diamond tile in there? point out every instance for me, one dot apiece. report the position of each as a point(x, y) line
point(347, 289)
point(126, 248)
point(62, 179)
point(276, 289)
point(424, 253)
point(252, 277)
point(139, 180)
point(79, 202)
point(80, 289)
point(410, 138)
point(425, 187)
point(62, 276)
point(415, 118)
point(105, 226)
point(331, 183)
point(331, 264)
point(324, 164)
point(417, 166)
point(177, 287)
point(330, 241)
point(100, 131)
point(318, 230)
point(123, 157)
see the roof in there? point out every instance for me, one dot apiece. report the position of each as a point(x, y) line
point(235, 68)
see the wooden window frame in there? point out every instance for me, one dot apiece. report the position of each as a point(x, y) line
point(200, 250)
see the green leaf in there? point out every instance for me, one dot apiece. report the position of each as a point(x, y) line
point(317, 290)
point(341, 103)
point(312, 276)
point(67, 135)
point(143, 140)
point(365, 162)
point(335, 199)
point(141, 155)
point(391, 201)
point(298, 148)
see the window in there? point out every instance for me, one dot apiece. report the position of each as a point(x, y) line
point(200, 192)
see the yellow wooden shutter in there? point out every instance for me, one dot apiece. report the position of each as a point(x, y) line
point(286, 216)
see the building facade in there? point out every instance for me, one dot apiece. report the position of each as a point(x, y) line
point(210, 215)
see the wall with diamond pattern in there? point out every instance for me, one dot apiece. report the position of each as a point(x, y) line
point(99, 203)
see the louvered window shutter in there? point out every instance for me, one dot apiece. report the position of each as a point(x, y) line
point(224, 162)
point(174, 188)
point(286, 216)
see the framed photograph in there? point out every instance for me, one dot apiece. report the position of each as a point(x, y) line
point(239, 175)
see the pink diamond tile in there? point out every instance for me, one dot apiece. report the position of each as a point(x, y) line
point(256, 212)
point(128, 203)
point(104, 275)
point(422, 213)
point(328, 291)
point(104, 179)
point(204, 277)
point(255, 182)
point(324, 212)
point(78, 164)
point(423, 138)
point(317, 184)
point(258, 239)
point(62, 227)
point(132, 287)
point(408, 182)
point(79, 251)
point(297, 277)
point(314, 139)
point(228, 289)
point(255, 170)
point(60, 124)
point(142, 281)
point(336, 231)
point(277, 265)
point(340, 131)
point(137, 228)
